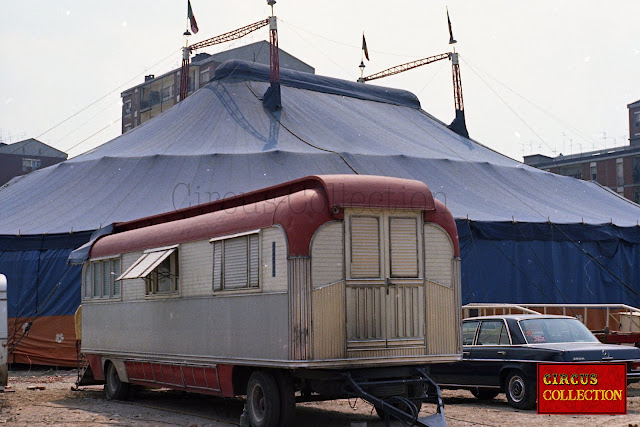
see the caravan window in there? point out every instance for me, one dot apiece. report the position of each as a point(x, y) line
point(236, 262)
point(159, 269)
point(101, 279)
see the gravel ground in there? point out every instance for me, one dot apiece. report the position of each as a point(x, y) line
point(45, 398)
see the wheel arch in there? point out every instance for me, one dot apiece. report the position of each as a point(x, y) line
point(121, 369)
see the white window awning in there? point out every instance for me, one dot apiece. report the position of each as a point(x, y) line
point(146, 264)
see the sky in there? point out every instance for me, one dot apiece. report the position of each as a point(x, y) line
point(545, 77)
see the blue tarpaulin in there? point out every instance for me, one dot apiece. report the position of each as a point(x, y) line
point(549, 263)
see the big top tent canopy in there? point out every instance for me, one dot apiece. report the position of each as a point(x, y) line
point(526, 235)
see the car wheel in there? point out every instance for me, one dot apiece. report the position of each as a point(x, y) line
point(263, 400)
point(520, 390)
point(114, 389)
point(485, 393)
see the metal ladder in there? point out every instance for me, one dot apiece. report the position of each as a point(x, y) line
point(402, 408)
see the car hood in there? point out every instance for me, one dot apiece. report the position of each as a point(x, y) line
point(592, 351)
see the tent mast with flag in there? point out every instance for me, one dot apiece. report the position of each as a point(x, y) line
point(191, 18)
point(364, 47)
point(451, 39)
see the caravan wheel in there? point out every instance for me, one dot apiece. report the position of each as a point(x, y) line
point(263, 400)
point(114, 389)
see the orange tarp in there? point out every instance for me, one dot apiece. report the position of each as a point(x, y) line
point(51, 340)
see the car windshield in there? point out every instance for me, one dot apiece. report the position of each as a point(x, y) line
point(554, 330)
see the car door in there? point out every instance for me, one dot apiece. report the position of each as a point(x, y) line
point(489, 352)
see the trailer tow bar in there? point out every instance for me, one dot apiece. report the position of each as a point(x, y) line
point(394, 406)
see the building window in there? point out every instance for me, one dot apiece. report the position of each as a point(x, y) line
point(145, 98)
point(636, 195)
point(636, 169)
point(593, 170)
point(204, 77)
point(126, 108)
point(159, 269)
point(236, 262)
point(619, 172)
point(574, 171)
point(167, 93)
point(29, 165)
point(636, 119)
point(101, 279)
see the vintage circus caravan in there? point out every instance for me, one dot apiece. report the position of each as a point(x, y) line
point(323, 287)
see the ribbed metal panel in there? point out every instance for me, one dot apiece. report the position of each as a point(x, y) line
point(438, 251)
point(327, 255)
point(386, 352)
point(385, 317)
point(403, 236)
point(217, 264)
point(95, 268)
point(365, 312)
point(235, 263)
point(365, 247)
point(254, 257)
point(406, 311)
point(299, 274)
point(106, 278)
point(116, 274)
point(457, 288)
point(328, 322)
point(86, 277)
point(442, 319)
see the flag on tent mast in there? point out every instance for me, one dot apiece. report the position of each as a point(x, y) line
point(451, 39)
point(192, 18)
point(364, 47)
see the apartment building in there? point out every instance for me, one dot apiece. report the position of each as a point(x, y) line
point(617, 168)
point(157, 94)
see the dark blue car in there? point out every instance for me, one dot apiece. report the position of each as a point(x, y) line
point(500, 354)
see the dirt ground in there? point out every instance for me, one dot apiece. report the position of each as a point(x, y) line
point(38, 397)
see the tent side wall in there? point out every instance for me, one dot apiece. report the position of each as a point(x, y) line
point(43, 295)
point(546, 263)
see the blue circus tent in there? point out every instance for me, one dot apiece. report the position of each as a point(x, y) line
point(526, 235)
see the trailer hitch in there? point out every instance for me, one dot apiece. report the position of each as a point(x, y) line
point(400, 407)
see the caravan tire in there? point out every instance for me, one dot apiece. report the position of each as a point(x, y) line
point(263, 400)
point(114, 389)
point(287, 399)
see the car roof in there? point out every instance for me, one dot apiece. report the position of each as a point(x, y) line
point(519, 317)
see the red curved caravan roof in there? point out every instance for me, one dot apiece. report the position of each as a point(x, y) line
point(299, 206)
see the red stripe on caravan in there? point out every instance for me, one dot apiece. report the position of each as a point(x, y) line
point(211, 375)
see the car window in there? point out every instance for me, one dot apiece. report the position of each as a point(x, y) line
point(493, 332)
point(469, 332)
point(554, 330)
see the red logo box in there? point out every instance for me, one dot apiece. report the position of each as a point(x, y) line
point(582, 388)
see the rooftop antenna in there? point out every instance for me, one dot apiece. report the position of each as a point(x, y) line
point(272, 99)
